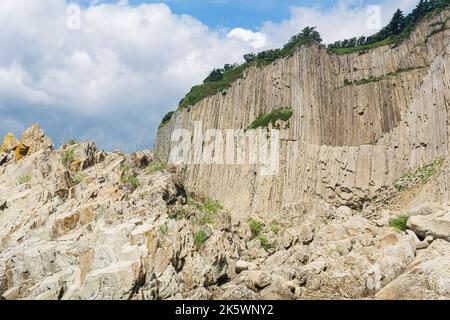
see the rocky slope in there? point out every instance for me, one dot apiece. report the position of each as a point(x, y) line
point(359, 121)
point(78, 223)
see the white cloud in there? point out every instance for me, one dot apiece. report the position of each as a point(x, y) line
point(348, 18)
point(114, 78)
point(256, 39)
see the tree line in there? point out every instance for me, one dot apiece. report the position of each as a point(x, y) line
point(398, 25)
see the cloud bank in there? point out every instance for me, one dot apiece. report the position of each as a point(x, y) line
point(112, 79)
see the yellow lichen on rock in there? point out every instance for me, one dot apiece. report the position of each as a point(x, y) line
point(9, 143)
point(33, 140)
point(21, 151)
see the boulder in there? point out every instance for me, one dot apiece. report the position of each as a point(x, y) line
point(428, 277)
point(244, 266)
point(436, 225)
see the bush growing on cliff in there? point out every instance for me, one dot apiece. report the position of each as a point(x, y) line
point(264, 242)
point(68, 156)
point(256, 227)
point(167, 118)
point(263, 121)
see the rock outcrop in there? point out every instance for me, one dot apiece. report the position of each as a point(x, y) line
point(345, 142)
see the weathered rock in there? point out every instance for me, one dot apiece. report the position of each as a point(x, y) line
point(428, 277)
point(33, 140)
point(9, 143)
point(244, 266)
point(436, 225)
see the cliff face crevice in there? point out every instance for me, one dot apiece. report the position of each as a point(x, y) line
point(360, 120)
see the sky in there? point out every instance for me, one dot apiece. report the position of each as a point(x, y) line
point(108, 71)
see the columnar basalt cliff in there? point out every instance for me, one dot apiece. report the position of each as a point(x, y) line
point(359, 122)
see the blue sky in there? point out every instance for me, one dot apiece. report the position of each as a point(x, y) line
point(236, 13)
point(111, 70)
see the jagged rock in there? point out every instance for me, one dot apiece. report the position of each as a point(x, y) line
point(83, 156)
point(428, 277)
point(436, 225)
point(9, 143)
point(33, 140)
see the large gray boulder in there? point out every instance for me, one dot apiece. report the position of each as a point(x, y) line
point(436, 225)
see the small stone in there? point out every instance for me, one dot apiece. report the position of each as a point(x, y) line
point(244, 266)
point(261, 279)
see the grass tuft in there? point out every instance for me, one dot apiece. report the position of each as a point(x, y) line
point(200, 238)
point(399, 224)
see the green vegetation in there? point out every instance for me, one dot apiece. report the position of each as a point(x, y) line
point(208, 207)
point(205, 219)
point(264, 242)
point(221, 79)
point(339, 249)
point(127, 178)
point(200, 238)
point(399, 223)
point(155, 167)
point(178, 214)
point(275, 227)
point(68, 156)
point(24, 179)
point(204, 204)
point(263, 121)
point(164, 229)
point(211, 206)
point(72, 142)
point(256, 227)
point(422, 174)
point(361, 48)
point(131, 180)
point(167, 118)
point(399, 29)
point(376, 79)
point(79, 177)
point(207, 89)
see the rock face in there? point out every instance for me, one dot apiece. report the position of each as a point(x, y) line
point(78, 223)
point(343, 143)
